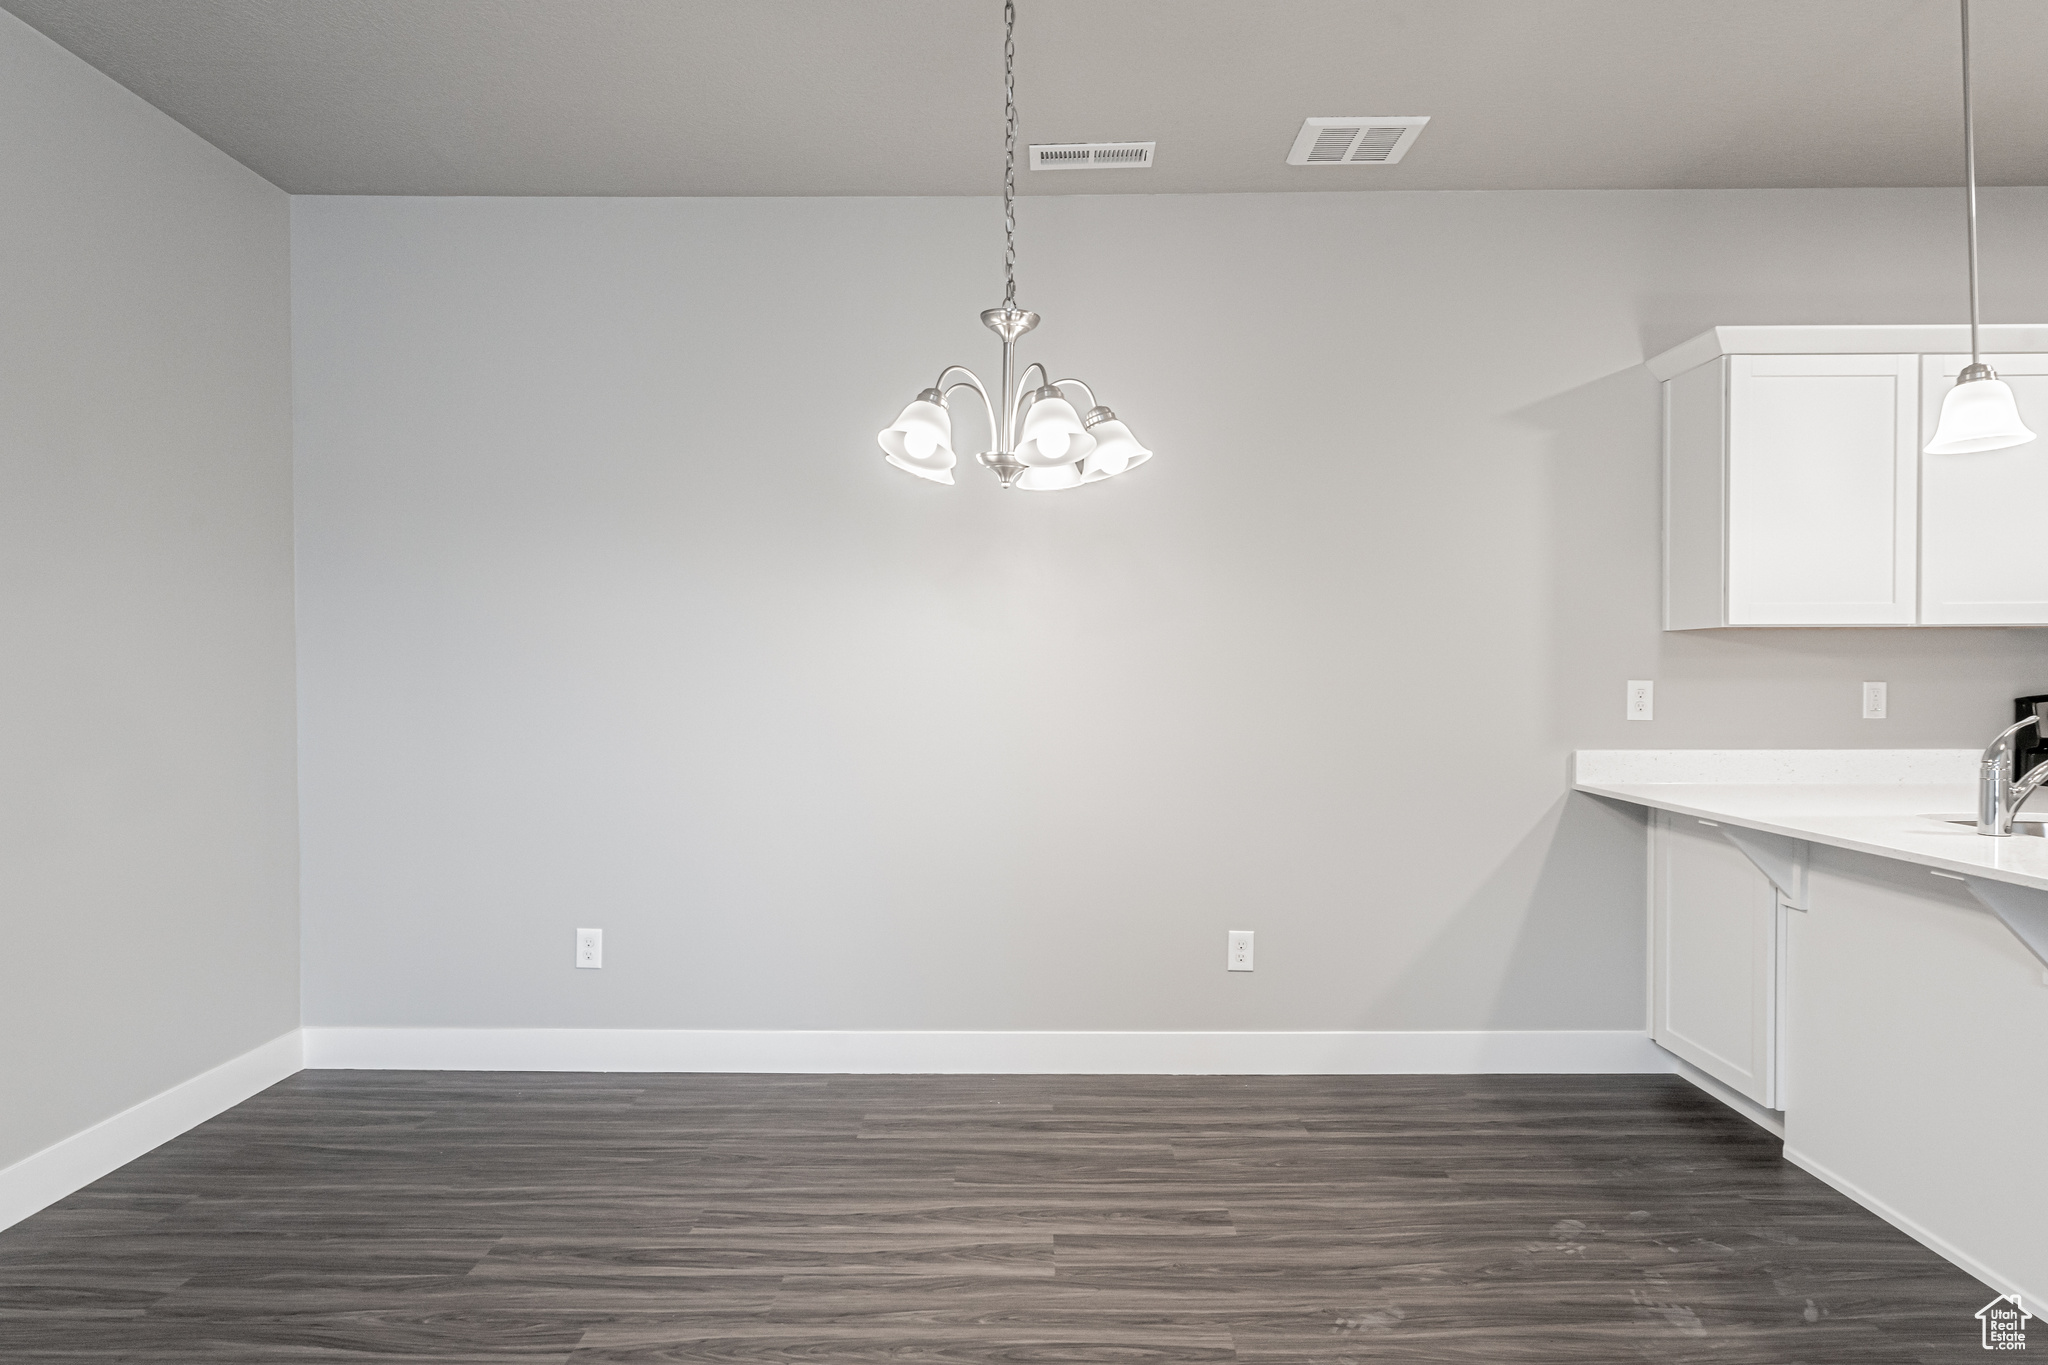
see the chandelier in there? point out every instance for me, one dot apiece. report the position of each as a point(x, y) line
point(1042, 444)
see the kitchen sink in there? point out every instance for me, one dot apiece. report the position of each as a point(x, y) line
point(2038, 827)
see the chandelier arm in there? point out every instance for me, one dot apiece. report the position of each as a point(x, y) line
point(973, 382)
point(1024, 381)
point(1016, 403)
point(1062, 383)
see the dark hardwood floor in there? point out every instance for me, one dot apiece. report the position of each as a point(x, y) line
point(488, 1217)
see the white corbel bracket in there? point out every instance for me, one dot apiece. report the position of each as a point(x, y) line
point(2022, 909)
point(1779, 857)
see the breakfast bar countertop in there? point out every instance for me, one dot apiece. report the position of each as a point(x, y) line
point(1892, 803)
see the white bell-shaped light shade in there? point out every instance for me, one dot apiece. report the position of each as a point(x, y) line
point(935, 475)
point(1978, 415)
point(1050, 478)
point(1053, 435)
point(1116, 450)
point(921, 442)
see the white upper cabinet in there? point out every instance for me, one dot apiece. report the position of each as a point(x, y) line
point(1979, 568)
point(1795, 493)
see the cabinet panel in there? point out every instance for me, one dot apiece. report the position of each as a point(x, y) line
point(1915, 1042)
point(1978, 566)
point(1714, 956)
point(1822, 493)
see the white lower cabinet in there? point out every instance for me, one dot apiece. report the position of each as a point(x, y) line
point(1714, 937)
point(1916, 1043)
point(1899, 1026)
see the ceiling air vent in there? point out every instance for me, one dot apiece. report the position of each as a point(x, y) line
point(1091, 156)
point(1354, 141)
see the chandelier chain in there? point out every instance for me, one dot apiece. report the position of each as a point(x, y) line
point(1009, 154)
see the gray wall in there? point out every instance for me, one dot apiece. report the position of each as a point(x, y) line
point(148, 820)
point(611, 614)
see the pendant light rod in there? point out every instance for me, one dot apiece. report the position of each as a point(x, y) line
point(1980, 413)
point(1970, 180)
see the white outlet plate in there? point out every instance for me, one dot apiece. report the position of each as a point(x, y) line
point(1642, 699)
point(1240, 955)
point(590, 948)
point(1873, 701)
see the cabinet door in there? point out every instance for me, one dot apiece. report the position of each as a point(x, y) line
point(1822, 458)
point(1980, 562)
point(1714, 946)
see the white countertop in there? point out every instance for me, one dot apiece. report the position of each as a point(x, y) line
point(1893, 803)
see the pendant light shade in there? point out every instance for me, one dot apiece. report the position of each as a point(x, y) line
point(1116, 450)
point(1053, 433)
point(921, 442)
point(1978, 415)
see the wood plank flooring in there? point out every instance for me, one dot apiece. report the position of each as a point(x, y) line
point(633, 1219)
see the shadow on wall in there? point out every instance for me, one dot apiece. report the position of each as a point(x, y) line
point(1602, 447)
point(1559, 921)
point(1542, 942)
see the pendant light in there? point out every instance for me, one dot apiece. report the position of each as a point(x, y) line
point(1979, 412)
point(1042, 444)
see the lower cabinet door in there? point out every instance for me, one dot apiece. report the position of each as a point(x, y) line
point(1714, 958)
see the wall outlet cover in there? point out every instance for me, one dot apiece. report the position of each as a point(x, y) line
point(1873, 701)
point(590, 948)
point(1642, 699)
point(1239, 958)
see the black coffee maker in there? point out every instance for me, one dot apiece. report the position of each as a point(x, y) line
point(2029, 746)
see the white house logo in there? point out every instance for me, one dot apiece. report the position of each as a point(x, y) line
point(2005, 1323)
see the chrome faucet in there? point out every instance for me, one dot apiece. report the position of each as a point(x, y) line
point(1999, 798)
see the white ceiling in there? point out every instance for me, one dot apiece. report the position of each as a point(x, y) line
point(716, 97)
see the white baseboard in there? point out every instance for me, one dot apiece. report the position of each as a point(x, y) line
point(38, 1181)
point(991, 1052)
point(2032, 1295)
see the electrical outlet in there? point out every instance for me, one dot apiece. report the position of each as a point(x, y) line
point(590, 947)
point(1240, 958)
point(1642, 694)
point(1873, 701)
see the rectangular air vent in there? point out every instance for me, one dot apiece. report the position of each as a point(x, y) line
point(1091, 156)
point(1355, 141)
